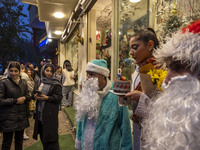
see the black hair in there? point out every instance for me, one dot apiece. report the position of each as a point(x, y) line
point(28, 64)
point(14, 64)
point(58, 67)
point(65, 62)
point(48, 61)
point(146, 35)
point(67, 65)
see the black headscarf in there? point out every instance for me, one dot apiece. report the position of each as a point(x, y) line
point(47, 82)
point(52, 79)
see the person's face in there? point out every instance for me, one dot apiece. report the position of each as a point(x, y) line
point(139, 51)
point(29, 73)
point(14, 73)
point(101, 78)
point(48, 72)
point(31, 66)
point(174, 69)
point(60, 70)
point(36, 68)
point(42, 63)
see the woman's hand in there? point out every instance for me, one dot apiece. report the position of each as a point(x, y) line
point(134, 95)
point(72, 77)
point(21, 100)
point(42, 97)
point(35, 96)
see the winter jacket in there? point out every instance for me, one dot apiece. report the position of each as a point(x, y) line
point(13, 116)
point(50, 114)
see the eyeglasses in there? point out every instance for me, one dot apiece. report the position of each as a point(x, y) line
point(92, 74)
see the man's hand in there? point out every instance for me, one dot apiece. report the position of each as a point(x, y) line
point(134, 95)
point(21, 100)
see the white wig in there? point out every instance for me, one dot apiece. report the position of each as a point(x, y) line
point(184, 47)
point(174, 117)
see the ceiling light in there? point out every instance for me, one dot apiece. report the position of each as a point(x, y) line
point(58, 15)
point(49, 40)
point(58, 32)
point(134, 1)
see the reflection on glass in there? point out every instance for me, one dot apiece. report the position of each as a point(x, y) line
point(103, 30)
point(72, 55)
point(133, 17)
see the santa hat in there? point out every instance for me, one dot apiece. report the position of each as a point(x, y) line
point(183, 46)
point(98, 66)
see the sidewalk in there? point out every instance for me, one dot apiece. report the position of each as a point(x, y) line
point(70, 112)
point(65, 132)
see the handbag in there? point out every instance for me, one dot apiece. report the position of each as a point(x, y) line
point(32, 105)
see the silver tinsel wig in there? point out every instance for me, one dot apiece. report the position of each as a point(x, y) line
point(174, 117)
point(184, 46)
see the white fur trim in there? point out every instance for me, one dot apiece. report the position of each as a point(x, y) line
point(98, 69)
point(78, 144)
point(182, 47)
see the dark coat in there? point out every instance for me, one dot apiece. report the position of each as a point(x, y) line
point(50, 114)
point(13, 116)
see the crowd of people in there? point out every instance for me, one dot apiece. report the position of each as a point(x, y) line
point(162, 120)
point(28, 91)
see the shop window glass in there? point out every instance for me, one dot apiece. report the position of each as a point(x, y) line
point(72, 55)
point(132, 17)
point(103, 30)
point(168, 16)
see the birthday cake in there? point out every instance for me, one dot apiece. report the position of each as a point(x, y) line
point(122, 86)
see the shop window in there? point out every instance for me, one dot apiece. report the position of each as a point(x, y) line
point(72, 55)
point(103, 30)
point(132, 17)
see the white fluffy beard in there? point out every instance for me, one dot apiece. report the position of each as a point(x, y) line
point(174, 118)
point(87, 101)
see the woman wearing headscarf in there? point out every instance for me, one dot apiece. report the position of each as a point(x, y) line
point(48, 95)
point(14, 99)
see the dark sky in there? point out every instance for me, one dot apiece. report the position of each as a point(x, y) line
point(26, 20)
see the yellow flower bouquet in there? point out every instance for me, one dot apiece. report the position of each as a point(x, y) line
point(157, 77)
point(151, 79)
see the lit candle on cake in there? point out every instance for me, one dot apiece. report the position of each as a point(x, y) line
point(119, 73)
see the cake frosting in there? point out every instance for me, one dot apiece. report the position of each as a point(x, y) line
point(121, 86)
